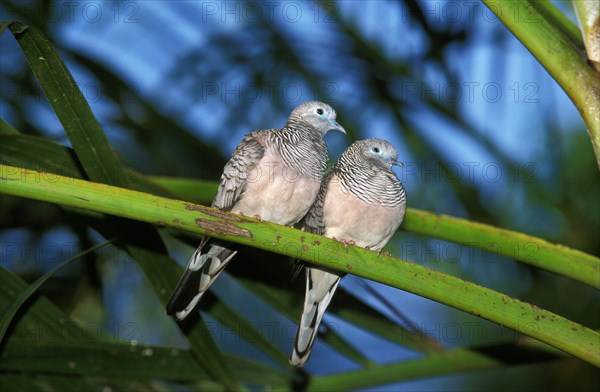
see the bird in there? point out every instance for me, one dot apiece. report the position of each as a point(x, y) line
point(272, 175)
point(362, 202)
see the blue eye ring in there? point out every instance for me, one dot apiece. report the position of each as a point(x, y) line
point(376, 150)
point(320, 111)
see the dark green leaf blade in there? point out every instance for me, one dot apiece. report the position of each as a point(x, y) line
point(69, 104)
point(102, 165)
point(12, 310)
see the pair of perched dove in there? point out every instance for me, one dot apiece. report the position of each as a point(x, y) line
point(279, 175)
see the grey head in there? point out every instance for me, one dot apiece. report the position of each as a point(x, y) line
point(377, 152)
point(317, 115)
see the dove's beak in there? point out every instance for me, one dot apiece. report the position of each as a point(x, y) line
point(394, 162)
point(337, 127)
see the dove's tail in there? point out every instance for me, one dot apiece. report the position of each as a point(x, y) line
point(207, 262)
point(320, 286)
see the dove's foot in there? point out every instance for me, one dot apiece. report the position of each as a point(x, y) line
point(344, 242)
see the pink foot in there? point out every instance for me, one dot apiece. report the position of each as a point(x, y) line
point(346, 243)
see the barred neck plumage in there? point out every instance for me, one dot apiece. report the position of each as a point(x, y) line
point(370, 181)
point(302, 148)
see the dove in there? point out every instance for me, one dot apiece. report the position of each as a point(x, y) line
point(273, 175)
point(361, 201)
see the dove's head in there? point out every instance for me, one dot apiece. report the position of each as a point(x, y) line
point(318, 115)
point(378, 151)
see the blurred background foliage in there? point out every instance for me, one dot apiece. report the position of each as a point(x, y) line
point(483, 130)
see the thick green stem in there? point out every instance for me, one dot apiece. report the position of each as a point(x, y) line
point(588, 14)
point(528, 319)
point(557, 53)
point(530, 250)
point(527, 249)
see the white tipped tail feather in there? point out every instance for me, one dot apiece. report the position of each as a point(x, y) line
point(320, 286)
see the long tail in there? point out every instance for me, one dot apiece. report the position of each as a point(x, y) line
point(203, 269)
point(320, 286)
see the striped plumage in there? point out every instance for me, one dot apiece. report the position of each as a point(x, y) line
point(275, 174)
point(360, 200)
point(368, 175)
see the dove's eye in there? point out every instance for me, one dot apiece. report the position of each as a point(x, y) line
point(376, 150)
point(320, 111)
